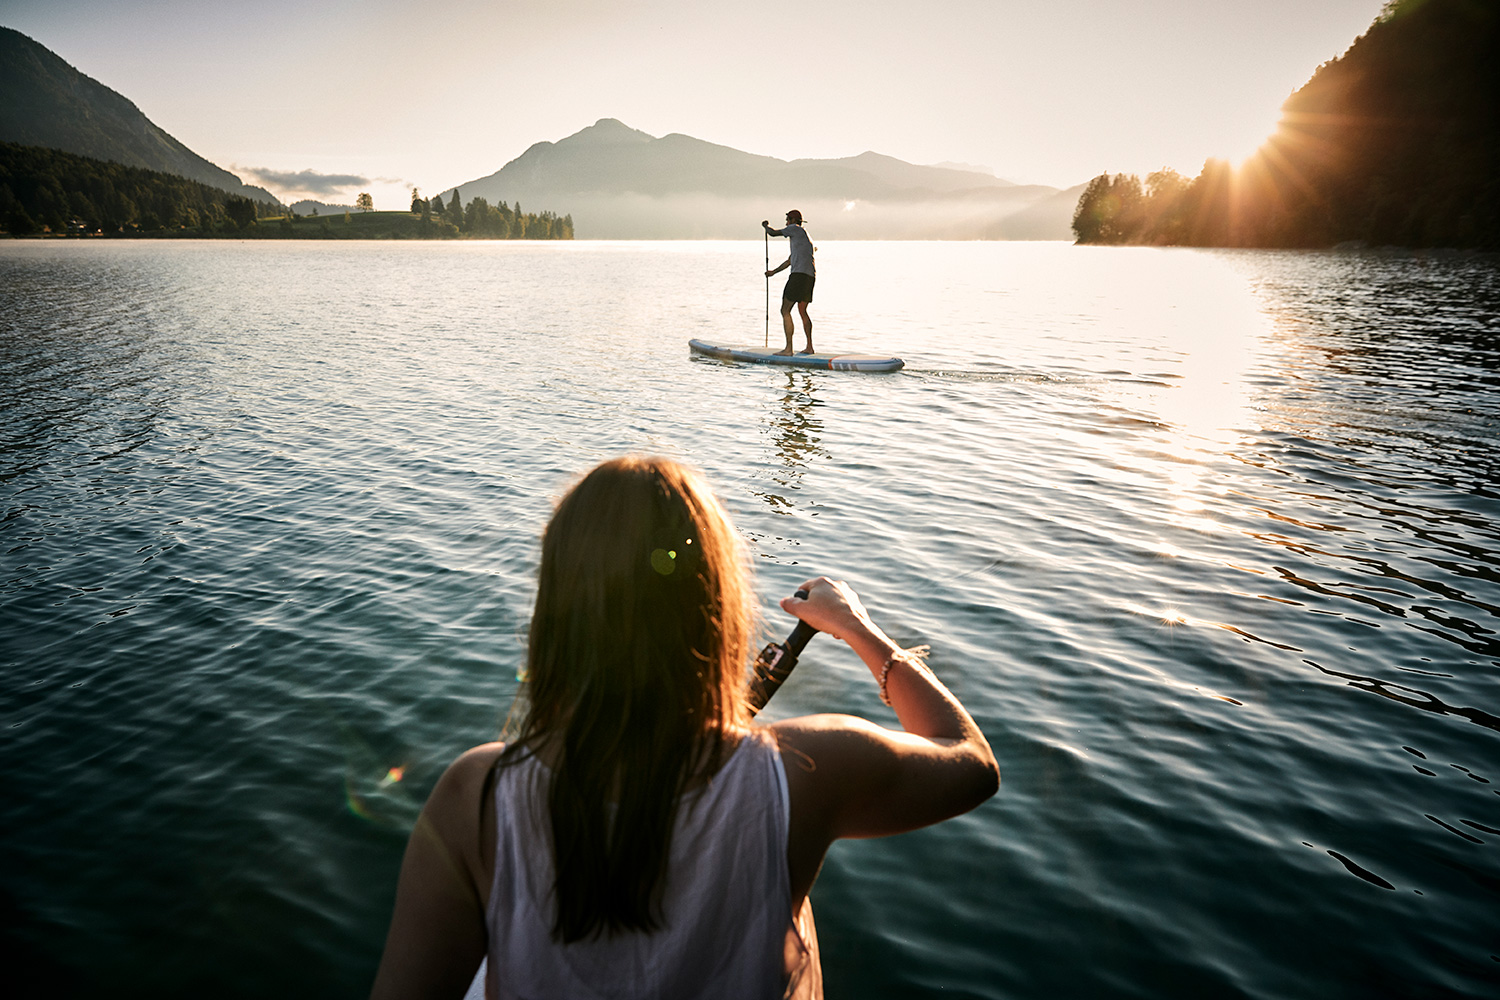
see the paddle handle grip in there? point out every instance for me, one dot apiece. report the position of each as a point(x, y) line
point(777, 661)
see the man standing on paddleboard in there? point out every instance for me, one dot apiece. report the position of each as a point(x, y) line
point(799, 284)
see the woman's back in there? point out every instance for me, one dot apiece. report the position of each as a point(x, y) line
point(611, 866)
point(727, 928)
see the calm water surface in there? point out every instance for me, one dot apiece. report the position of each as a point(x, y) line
point(1206, 541)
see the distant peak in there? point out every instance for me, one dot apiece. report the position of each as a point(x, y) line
point(610, 131)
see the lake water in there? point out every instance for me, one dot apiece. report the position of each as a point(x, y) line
point(1207, 541)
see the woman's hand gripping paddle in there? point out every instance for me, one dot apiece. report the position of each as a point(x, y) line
point(776, 662)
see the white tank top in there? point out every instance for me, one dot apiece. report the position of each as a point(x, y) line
point(728, 931)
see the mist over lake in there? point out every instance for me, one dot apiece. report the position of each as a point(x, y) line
point(1206, 541)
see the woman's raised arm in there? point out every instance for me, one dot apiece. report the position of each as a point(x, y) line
point(849, 777)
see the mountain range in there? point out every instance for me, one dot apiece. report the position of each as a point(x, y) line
point(621, 183)
point(615, 181)
point(46, 102)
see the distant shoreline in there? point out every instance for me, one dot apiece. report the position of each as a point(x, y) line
point(343, 226)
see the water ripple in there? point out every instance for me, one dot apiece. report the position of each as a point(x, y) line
point(1169, 519)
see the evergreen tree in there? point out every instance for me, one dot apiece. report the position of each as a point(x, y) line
point(1110, 210)
point(241, 211)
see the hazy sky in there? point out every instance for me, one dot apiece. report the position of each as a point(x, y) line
point(397, 93)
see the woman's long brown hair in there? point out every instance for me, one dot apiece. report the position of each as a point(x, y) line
point(635, 679)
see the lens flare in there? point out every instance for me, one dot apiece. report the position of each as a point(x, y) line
point(375, 790)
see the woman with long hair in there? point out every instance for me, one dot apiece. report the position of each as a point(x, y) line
point(639, 835)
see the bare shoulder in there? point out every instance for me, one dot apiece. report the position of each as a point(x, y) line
point(474, 762)
point(454, 799)
point(468, 770)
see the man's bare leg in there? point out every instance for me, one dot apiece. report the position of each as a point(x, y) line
point(806, 328)
point(786, 324)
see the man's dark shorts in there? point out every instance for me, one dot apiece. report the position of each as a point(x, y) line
point(798, 288)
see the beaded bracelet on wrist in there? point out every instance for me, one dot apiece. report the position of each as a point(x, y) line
point(911, 657)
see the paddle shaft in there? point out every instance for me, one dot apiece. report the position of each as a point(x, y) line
point(767, 237)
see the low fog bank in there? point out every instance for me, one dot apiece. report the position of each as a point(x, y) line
point(1019, 215)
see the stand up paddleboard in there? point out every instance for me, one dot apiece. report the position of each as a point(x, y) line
point(828, 362)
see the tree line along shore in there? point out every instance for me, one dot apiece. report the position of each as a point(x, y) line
point(50, 193)
point(1395, 143)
